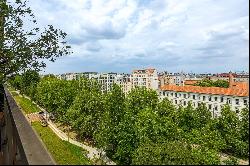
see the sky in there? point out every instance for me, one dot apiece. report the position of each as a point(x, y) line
point(202, 36)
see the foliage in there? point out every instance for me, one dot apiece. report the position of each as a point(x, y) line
point(140, 129)
point(26, 105)
point(210, 83)
point(173, 153)
point(84, 113)
point(231, 161)
point(22, 48)
point(63, 152)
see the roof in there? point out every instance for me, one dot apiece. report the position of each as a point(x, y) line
point(242, 91)
point(190, 82)
point(148, 71)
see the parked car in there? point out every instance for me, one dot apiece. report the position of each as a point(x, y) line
point(44, 123)
point(41, 112)
point(52, 117)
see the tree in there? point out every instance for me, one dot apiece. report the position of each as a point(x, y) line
point(20, 48)
point(86, 109)
point(30, 78)
point(173, 153)
point(114, 110)
point(210, 83)
point(230, 129)
point(202, 116)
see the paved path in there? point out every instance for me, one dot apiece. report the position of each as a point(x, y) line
point(93, 152)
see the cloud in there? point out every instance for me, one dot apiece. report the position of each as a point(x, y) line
point(166, 34)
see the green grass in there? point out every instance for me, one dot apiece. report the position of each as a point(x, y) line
point(26, 105)
point(63, 152)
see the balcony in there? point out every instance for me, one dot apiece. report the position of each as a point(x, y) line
point(19, 144)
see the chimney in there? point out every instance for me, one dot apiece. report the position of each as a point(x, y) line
point(231, 80)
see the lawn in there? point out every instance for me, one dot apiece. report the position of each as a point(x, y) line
point(63, 152)
point(26, 105)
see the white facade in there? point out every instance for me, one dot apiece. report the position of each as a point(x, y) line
point(213, 102)
point(106, 81)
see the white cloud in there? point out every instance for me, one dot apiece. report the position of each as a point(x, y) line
point(138, 32)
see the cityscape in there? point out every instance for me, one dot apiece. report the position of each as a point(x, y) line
point(124, 82)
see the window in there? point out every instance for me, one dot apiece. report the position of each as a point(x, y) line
point(215, 108)
point(179, 95)
point(193, 96)
point(185, 103)
point(175, 94)
point(215, 98)
point(210, 106)
point(221, 99)
point(194, 104)
point(237, 110)
point(172, 94)
point(209, 98)
point(245, 101)
point(228, 101)
point(237, 101)
point(185, 96)
point(204, 98)
point(175, 101)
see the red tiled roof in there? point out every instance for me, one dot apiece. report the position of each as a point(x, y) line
point(234, 91)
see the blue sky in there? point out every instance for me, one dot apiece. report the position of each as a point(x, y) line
point(173, 35)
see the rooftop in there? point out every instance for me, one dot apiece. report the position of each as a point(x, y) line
point(238, 90)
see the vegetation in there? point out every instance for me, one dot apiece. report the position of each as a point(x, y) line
point(26, 105)
point(141, 129)
point(22, 48)
point(63, 152)
point(211, 83)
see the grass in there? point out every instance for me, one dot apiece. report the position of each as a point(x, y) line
point(63, 152)
point(26, 105)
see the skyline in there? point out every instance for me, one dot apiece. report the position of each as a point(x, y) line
point(172, 35)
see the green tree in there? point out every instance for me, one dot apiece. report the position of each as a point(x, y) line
point(16, 81)
point(229, 127)
point(20, 48)
point(86, 110)
point(173, 153)
point(202, 116)
point(114, 110)
point(210, 83)
point(30, 78)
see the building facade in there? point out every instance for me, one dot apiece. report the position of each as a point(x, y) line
point(236, 96)
point(147, 78)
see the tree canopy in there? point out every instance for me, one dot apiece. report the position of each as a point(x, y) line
point(138, 128)
point(211, 83)
point(22, 43)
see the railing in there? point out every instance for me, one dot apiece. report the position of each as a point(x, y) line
point(19, 144)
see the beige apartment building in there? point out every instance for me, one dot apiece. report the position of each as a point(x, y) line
point(145, 78)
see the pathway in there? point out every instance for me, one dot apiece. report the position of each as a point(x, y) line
point(93, 152)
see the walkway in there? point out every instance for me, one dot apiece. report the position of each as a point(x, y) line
point(93, 152)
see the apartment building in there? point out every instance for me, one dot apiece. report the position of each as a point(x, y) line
point(238, 77)
point(106, 81)
point(145, 78)
point(124, 80)
point(171, 79)
point(237, 96)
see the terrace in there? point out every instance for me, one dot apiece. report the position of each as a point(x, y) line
point(20, 145)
